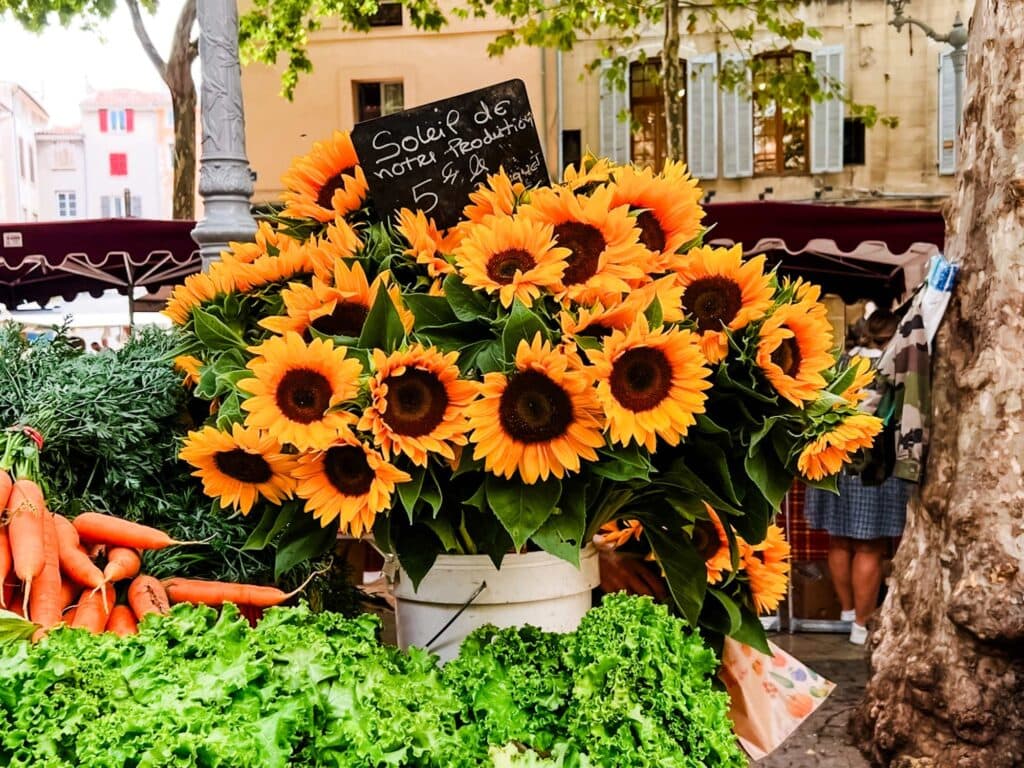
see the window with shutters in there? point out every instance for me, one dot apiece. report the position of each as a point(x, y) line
point(649, 139)
point(112, 207)
point(378, 99)
point(781, 132)
point(117, 120)
point(21, 157)
point(118, 164)
point(947, 115)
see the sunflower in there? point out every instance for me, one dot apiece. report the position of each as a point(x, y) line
point(651, 383)
point(340, 242)
point(326, 183)
point(600, 321)
point(667, 208)
point(240, 466)
point(512, 257)
point(427, 244)
point(347, 480)
point(619, 532)
point(592, 171)
point(721, 292)
point(418, 403)
point(191, 367)
point(767, 568)
point(292, 260)
point(605, 253)
point(540, 421)
point(197, 290)
point(296, 388)
point(497, 197)
point(266, 241)
point(712, 543)
point(793, 350)
point(865, 374)
point(828, 452)
point(333, 310)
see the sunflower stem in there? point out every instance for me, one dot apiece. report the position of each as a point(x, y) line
point(467, 540)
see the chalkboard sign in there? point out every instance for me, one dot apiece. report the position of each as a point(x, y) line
point(432, 157)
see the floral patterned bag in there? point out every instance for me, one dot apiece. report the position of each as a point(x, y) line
point(771, 695)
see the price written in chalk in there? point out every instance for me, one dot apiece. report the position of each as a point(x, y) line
point(432, 157)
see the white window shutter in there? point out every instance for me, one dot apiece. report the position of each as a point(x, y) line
point(737, 132)
point(104, 207)
point(947, 115)
point(702, 117)
point(615, 133)
point(827, 116)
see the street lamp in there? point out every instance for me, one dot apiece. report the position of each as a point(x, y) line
point(956, 38)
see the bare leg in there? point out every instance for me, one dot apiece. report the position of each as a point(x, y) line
point(867, 577)
point(840, 565)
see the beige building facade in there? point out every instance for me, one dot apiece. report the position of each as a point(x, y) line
point(739, 150)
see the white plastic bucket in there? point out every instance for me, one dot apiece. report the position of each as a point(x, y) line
point(535, 588)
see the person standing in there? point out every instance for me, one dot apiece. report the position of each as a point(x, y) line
point(863, 518)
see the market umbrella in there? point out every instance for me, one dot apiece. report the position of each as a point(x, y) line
point(856, 252)
point(40, 261)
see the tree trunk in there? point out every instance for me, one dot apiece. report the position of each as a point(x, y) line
point(948, 656)
point(178, 76)
point(672, 82)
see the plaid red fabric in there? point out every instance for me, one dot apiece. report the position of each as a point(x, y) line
point(805, 542)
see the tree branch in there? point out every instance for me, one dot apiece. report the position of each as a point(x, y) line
point(143, 35)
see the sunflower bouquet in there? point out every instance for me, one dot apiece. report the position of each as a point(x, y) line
point(564, 361)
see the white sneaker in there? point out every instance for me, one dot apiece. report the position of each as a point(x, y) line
point(858, 634)
point(848, 616)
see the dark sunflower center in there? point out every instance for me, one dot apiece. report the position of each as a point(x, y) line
point(416, 402)
point(705, 539)
point(596, 331)
point(332, 185)
point(651, 233)
point(347, 470)
point(787, 356)
point(713, 302)
point(641, 378)
point(303, 395)
point(586, 243)
point(534, 409)
point(346, 320)
point(243, 466)
point(502, 267)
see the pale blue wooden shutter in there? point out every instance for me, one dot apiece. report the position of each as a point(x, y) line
point(615, 133)
point(702, 116)
point(827, 116)
point(104, 207)
point(737, 131)
point(947, 115)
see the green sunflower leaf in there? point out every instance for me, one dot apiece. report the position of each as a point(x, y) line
point(562, 533)
point(215, 334)
point(383, 327)
point(303, 540)
point(466, 303)
point(274, 520)
point(684, 569)
point(522, 325)
point(751, 631)
point(429, 311)
point(521, 508)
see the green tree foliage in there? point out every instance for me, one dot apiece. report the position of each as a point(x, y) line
point(280, 29)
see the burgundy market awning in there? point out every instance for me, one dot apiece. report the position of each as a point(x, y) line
point(44, 260)
point(855, 252)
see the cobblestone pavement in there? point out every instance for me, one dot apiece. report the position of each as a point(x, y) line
point(822, 740)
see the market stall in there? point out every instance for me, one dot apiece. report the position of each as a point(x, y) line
point(43, 260)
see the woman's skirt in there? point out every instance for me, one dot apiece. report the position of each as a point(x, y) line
point(859, 511)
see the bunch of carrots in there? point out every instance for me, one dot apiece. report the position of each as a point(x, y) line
point(58, 571)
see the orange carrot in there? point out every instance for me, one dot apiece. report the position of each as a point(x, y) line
point(93, 610)
point(147, 595)
point(122, 563)
point(69, 615)
point(5, 562)
point(220, 592)
point(25, 508)
point(45, 605)
point(122, 621)
point(69, 592)
point(73, 560)
point(107, 529)
point(6, 486)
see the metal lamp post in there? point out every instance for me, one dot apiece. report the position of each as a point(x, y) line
point(956, 38)
point(225, 179)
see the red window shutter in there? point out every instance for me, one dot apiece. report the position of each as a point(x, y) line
point(118, 164)
point(129, 120)
point(103, 121)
